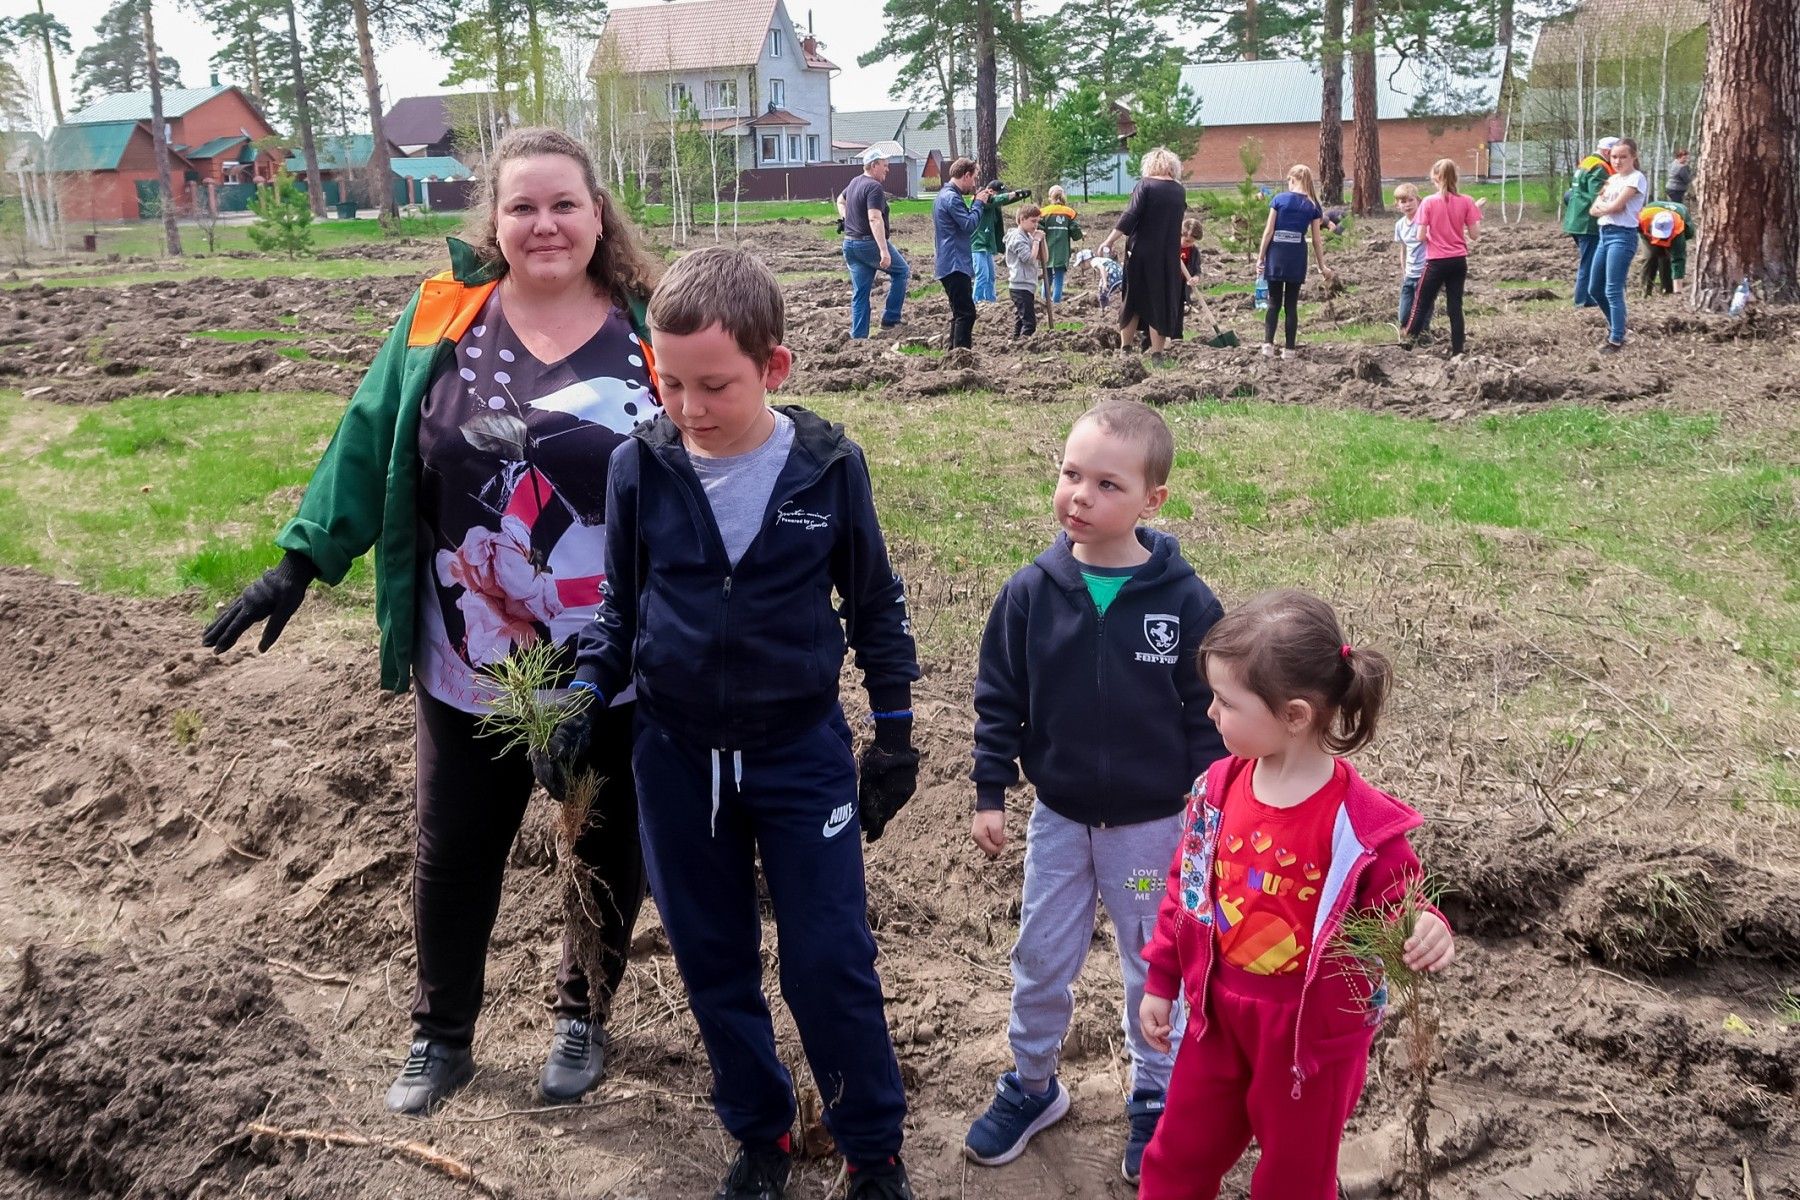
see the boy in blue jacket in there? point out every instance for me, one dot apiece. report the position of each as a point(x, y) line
point(732, 524)
point(1089, 676)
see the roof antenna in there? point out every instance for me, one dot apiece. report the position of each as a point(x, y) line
point(809, 25)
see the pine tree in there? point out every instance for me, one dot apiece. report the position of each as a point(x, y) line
point(1033, 149)
point(115, 62)
point(1331, 105)
point(283, 217)
point(51, 37)
point(1365, 190)
point(1115, 44)
point(1165, 112)
point(924, 44)
point(1239, 29)
point(1089, 134)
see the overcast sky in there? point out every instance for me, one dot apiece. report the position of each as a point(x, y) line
point(846, 29)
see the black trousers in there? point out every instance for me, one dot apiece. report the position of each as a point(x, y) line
point(959, 289)
point(1446, 275)
point(1658, 265)
point(1283, 294)
point(470, 804)
point(1024, 311)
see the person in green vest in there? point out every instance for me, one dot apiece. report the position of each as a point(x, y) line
point(473, 460)
point(989, 236)
point(1060, 228)
point(1579, 224)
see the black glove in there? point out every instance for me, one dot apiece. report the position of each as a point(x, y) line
point(571, 744)
point(888, 774)
point(275, 596)
point(1022, 194)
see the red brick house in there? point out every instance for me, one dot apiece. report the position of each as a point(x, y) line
point(107, 162)
point(1276, 101)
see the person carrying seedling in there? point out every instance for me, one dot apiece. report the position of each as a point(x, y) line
point(1088, 677)
point(1665, 230)
point(474, 453)
point(1060, 228)
point(1282, 841)
point(740, 521)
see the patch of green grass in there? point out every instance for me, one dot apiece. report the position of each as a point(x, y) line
point(1227, 289)
point(1369, 331)
point(295, 353)
point(918, 351)
point(1069, 326)
point(150, 495)
point(1522, 284)
point(248, 335)
point(240, 268)
point(145, 238)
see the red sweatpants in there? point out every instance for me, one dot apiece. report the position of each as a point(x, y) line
point(1236, 1081)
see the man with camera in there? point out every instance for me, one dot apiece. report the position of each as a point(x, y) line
point(954, 220)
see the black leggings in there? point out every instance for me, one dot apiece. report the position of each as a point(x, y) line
point(1283, 293)
point(1448, 276)
point(1024, 312)
point(470, 804)
point(959, 289)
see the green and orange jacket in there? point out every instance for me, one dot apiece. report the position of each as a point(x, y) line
point(364, 492)
point(1060, 228)
point(1590, 177)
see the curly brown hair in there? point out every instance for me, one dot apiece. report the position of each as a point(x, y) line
point(620, 263)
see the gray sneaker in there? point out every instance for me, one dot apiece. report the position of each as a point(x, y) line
point(431, 1073)
point(577, 1061)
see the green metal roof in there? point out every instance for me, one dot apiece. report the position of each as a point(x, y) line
point(336, 153)
point(439, 166)
point(215, 147)
point(135, 106)
point(89, 147)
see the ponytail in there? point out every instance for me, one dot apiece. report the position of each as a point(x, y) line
point(1355, 715)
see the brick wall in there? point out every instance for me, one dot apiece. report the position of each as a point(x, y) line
point(1408, 148)
point(225, 115)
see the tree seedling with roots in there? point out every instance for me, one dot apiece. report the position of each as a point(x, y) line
point(525, 711)
point(1374, 939)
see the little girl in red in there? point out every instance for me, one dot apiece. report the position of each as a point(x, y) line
point(1282, 839)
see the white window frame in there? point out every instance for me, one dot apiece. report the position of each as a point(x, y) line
point(721, 95)
point(812, 147)
point(794, 155)
point(774, 43)
point(678, 92)
point(762, 146)
point(778, 92)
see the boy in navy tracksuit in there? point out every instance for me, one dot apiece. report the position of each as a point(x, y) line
point(1089, 676)
point(732, 525)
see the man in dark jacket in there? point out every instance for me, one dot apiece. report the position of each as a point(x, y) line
point(735, 523)
point(954, 220)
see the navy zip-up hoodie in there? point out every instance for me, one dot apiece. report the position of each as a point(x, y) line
point(745, 657)
point(1108, 714)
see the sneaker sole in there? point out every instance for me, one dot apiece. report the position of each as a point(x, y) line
point(1059, 1108)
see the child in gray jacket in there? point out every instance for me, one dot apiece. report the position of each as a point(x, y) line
point(1026, 254)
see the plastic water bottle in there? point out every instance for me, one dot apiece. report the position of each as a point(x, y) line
point(1262, 293)
point(1741, 297)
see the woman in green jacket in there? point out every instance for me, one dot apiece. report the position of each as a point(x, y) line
point(1590, 176)
point(472, 459)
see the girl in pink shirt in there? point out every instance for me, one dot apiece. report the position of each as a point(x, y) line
point(1448, 220)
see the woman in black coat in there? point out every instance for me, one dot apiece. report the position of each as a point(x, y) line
point(1152, 225)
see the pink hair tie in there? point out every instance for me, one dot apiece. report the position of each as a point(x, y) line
point(1344, 652)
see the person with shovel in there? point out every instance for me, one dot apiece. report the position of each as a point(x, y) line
point(474, 454)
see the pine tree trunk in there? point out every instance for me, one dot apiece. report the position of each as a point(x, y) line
point(1750, 154)
point(1021, 85)
point(1503, 34)
point(159, 133)
point(535, 38)
point(1250, 43)
point(497, 22)
point(1331, 106)
point(50, 66)
point(948, 58)
point(315, 184)
point(378, 156)
point(1365, 192)
point(987, 150)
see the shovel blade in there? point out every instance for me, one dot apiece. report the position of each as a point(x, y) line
point(1224, 339)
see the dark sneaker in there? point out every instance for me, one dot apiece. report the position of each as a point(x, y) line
point(999, 1135)
point(1142, 1112)
point(885, 1182)
point(1611, 347)
point(893, 324)
point(577, 1061)
point(759, 1173)
point(432, 1071)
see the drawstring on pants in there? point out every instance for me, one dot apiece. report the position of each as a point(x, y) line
point(737, 780)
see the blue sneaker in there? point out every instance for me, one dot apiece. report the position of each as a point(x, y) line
point(999, 1135)
point(1142, 1112)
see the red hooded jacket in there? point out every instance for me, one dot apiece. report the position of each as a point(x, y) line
point(1371, 862)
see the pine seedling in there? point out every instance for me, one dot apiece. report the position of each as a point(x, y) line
point(1374, 939)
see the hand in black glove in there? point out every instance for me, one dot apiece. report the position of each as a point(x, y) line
point(570, 745)
point(275, 596)
point(888, 774)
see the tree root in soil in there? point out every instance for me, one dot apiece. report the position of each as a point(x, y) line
point(417, 1152)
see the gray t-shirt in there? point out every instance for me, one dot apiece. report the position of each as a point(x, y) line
point(864, 193)
point(739, 487)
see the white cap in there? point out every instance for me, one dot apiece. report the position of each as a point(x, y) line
point(873, 154)
point(1662, 225)
point(1607, 143)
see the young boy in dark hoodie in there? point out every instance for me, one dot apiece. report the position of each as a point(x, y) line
point(734, 522)
point(1089, 675)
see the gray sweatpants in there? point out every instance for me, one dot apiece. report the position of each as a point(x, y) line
point(1068, 866)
